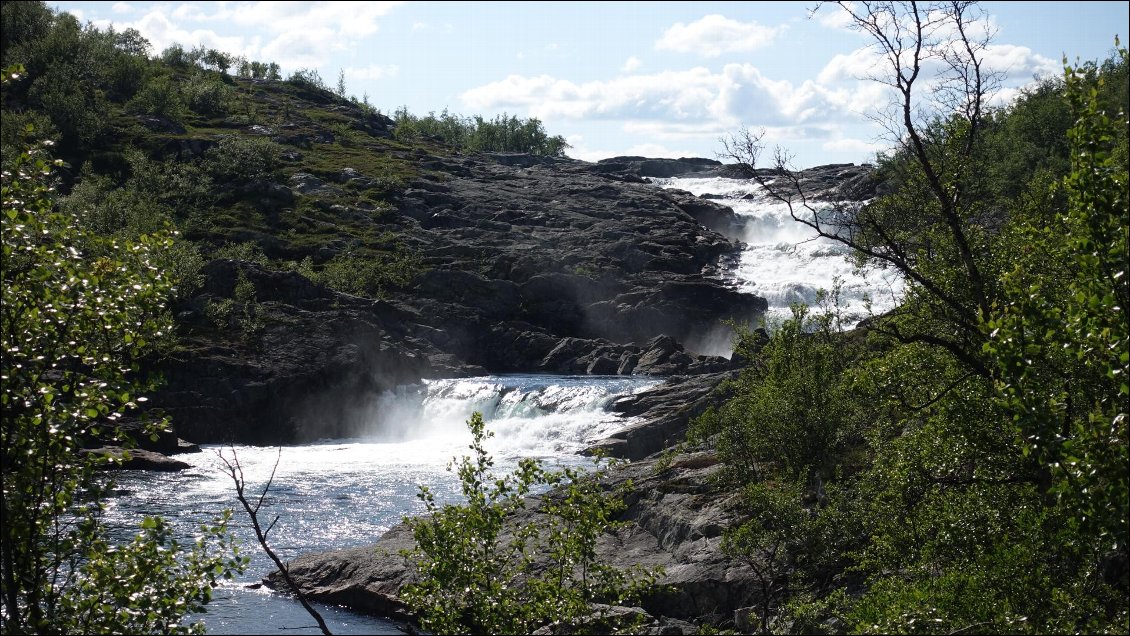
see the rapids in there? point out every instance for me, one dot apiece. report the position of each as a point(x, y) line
point(344, 493)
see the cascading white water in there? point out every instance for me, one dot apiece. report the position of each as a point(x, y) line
point(785, 262)
point(531, 415)
point(343, 493)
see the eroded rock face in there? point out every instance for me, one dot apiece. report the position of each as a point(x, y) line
point(676, 515)
point(567, 252)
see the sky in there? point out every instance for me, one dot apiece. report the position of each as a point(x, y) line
point(659, 79)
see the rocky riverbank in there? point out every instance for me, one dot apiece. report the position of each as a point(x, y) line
point(675, 518)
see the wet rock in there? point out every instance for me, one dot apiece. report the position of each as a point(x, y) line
point(184, 446)
point(662, 414)
point(603, 365)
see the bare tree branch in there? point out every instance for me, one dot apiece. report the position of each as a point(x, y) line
point(933, 60)
point(236, 472)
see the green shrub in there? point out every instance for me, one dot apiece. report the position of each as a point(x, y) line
point(109, 209)
point(127, 75)
point(481, 572)
point(240, 159)
point(248, 252)
point(504, 133)
point(309, 78)
point(369, 275)
point(161, 98)
point(78, 109)
point(28, 127)
point(792, 414)
point(175, 56)
point(208, 95)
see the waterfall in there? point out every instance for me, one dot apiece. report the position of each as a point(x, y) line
point(785, 262)
point(530, 415)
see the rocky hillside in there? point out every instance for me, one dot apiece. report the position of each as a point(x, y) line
point(324, 258)
point(518, 264)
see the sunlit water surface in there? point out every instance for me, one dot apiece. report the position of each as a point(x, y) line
point(344, 493)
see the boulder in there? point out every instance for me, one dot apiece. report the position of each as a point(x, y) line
point(663, 414)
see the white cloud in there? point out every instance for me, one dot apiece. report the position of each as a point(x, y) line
point(853, 66)
point(715, 34)
point(191, 12)
point(698, 100)
point(162, 32)
point(121, 7)
point(834, 17)
point(345, 19)
point(299, 49)
point(631, 64)
point(1019, 60)
point(846, 78)
point(298, 34)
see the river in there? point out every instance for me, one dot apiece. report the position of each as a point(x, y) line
point(344, 493)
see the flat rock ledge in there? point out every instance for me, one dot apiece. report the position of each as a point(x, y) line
point(676, 514)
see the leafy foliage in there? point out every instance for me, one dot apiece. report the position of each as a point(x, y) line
point(79, 309)
point(241, 159)
point(975, 477)
point(1060, 339)
point(480, 572)
point(501, 134)
point(160, 98)
point(371, 275)
point(787, 416)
